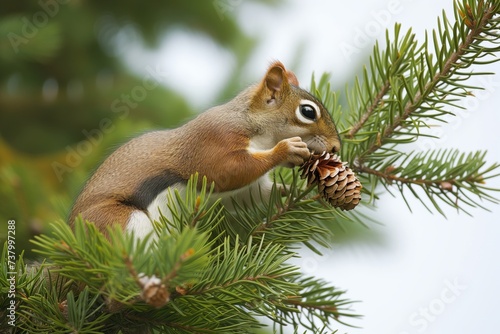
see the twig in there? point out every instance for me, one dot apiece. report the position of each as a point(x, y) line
point(370, 110)
point(389, 177)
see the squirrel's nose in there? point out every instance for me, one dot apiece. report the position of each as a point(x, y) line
point(336, 146)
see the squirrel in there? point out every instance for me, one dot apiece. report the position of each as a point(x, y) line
point(234, 145)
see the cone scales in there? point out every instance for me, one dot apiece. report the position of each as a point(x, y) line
point(337, 183)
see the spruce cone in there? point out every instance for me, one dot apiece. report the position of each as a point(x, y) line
point(337, 183)
point(153, 291)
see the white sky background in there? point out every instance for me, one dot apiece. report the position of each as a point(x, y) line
point(403, 283)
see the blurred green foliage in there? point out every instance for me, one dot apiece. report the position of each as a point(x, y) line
point(62, 86)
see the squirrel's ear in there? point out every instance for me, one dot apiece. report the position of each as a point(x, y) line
point(292, 79)
point(275, 77)
point(277, 81)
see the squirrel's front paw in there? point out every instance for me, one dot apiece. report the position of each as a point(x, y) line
point(297, 151)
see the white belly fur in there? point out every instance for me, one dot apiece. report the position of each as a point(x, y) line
point(141, 224)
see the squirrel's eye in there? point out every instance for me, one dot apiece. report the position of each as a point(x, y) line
point(308, 111)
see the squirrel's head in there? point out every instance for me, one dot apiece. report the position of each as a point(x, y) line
point(284, 110)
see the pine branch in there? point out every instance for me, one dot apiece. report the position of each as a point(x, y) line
point(159, 283)
point(456, 60)
point(406, 84)
point(378, 82)
point(318, 300)
point(243, 281)
point(289, 210)
point(447, 175)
